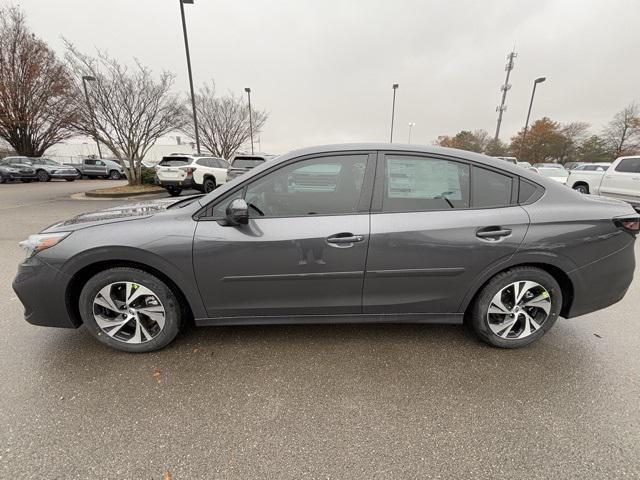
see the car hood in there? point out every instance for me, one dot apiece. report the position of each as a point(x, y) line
point(132, 211)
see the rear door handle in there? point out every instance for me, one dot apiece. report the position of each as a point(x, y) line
point(493, 232)
point(341, 238)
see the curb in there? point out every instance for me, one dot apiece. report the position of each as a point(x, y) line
point(98, 194)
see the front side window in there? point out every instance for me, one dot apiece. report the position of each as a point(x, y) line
point(319, 186)
point(629, 165)
point(422, 183)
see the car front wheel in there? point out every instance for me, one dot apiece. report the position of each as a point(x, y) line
point(581, 188)
point(114, 175)
point(516, 307)
point(129, 309)
point(43, 176)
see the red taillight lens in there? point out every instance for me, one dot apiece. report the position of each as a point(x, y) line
point(189, 170)
point(631, 224)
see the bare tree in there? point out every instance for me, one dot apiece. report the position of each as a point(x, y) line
point(36, 93)
point(130, 108)
point(573, 134)
point(223, 122)
point(622, 135)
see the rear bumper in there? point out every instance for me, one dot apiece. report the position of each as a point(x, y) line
point(41, 288)
point(602, 283)
point(186, 183)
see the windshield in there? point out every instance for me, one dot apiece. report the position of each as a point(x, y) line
point(175, 161)
point(552, 172)
point(246, 162)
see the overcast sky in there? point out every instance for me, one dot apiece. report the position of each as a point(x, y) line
point(324, 69)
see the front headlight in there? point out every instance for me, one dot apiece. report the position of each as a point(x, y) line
point(12, 170)
point(42, 241)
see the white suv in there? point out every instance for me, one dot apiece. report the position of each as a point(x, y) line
point(178, 171)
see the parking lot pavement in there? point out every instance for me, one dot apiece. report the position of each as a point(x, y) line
point(344, 401)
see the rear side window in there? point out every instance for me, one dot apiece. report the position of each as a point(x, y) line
point(421, 183)
point(490, 189)
point(174, 161)
point(629, 165)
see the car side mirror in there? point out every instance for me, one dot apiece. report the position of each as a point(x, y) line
point(237, 212)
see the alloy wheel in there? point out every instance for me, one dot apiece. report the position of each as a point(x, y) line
point(519, 310)
point(129, 312)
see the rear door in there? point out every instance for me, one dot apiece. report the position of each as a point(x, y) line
point(436, 224)
point(623, 181)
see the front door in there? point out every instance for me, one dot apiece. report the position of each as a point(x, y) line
point(304, 249)
point(436, 224)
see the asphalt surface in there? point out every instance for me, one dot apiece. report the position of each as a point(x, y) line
point(347, 401)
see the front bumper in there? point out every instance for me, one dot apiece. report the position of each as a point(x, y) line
point(64, 175)
point(602, 283)
point(42, 290)
point(19, 176)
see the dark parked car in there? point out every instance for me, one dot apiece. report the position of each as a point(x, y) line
point(243, 163)
point(348, 233)
point(14, 170)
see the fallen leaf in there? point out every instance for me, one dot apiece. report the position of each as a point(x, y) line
point(157, 374)
point(196, 350)
point(596, 335)
point(167, 475)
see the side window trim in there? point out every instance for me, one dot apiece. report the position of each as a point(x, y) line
point(364, 201)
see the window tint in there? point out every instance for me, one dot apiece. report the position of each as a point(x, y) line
point(421, 183)
point(241, 162)
point(320, 186)
point(490, 189)
point(629, 165)
point(205, 162)
point(223, 163)
point(89, 162)
point(101, 163)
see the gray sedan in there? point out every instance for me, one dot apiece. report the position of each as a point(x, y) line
point(347, 233)
point(45, 168)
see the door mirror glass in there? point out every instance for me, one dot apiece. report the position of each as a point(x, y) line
point(237, 212)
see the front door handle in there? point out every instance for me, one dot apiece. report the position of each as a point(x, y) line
point(493, 232)
point(342, 238)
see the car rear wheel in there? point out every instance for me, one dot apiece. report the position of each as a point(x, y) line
point(173, 191)
point(129, 309)
point(516, 307)
point(43, 176)
point(114, 175)
point(78, 175)
point(209, 185)
point(582, 188)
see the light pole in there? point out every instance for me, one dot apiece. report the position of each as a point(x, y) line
point(248, 90)
point(411, 125)
point(85, 79)
point(526, 124)
point(186, 48)
point(393, 110)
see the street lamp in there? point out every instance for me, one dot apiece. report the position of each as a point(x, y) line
point(393, 110)
point(85, 79)
point(526, 125)
point(411, 125)
point(186, 48)
point(248, 90)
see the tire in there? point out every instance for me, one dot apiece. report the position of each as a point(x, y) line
point(25, 180)
point(209, 185)
point(492, 331)
point(43, 176)
point(581, 187)
point(78, 175)
point(2, 179)
point(114, 175)
point(173, 191)
point(149, 337)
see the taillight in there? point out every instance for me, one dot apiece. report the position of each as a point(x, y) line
point(630, 224)
point(189, 170)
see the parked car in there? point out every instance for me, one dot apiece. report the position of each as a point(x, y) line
point(242, 163)
point(371, 233)
point(620, 180)
point(46, 169)
point(12, 170)
point(558, 174)
point(205, 173)
point(549, 165)
point(95, 168)
point(512, 160)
